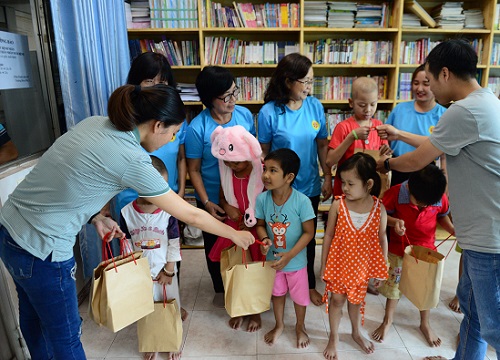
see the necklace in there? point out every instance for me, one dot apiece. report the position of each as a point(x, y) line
point(277, 210)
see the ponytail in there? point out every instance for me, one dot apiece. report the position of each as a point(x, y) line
point(130, 106)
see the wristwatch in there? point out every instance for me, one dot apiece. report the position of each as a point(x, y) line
point(387, 166)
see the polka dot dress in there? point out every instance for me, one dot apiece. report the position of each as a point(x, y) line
point(355, 256)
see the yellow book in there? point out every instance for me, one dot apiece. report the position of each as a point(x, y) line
point(418, 10)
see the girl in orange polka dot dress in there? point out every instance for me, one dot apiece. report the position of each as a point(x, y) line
point(354, 248)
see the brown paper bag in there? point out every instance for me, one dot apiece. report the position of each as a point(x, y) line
point(161, 331)
point(229, 257)
point(120, 296)
point(247, 287)
point(421, 281)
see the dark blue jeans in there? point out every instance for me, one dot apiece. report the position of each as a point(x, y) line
point(48, 306)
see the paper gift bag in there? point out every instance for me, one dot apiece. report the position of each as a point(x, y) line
point(247, 286)
point(421, 276)
point(121, 291)
point(161, 331)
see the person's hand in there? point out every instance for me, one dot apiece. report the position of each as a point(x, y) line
point(215, 210)
point(377, 282)
point(399, 227)
point(380, 164)
point(233, 213)
point(243, 239)
point(107, 227)
point(388, 132)
point(362, 132)
point(322, 273)
point(264, 249)
point(385, 150)
point(163, 279)
point(283, 260)
point(326, 188)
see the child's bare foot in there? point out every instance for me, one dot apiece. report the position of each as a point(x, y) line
point(273, 335)
point(365, 344)
point(236, 322)
point(455, 305)
point(150, 355)
point(430, 336)
point(316, 297)
point(184, 314)
point(380, 332)
point(330, 352)
point(254, 323)
point(174, 356)
point(372, 289)
point(302, 337)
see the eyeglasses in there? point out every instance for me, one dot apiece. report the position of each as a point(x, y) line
point(306, 82)
point(152, 82)
point(235, 94)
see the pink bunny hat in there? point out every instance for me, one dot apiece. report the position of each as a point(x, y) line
point(235, 143)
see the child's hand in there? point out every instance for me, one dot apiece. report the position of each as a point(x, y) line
point(233, 213)
point(399, 227)
point(322, 273)
point(385, 150)
point(283, 260)
point(163, 279)
point(362, 132)
point(377, 282)
point(264, 249)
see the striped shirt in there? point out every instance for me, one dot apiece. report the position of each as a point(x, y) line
point(73, 180)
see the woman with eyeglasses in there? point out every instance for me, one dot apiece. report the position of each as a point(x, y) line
point(293, 119)
point(218, 92)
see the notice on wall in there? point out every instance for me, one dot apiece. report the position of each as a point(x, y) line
point(15, 67)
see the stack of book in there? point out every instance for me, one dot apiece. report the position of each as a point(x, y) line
point(411, 21)
point(341, 14)
point(138, 14)
point(372, 15)
point(174, 13)
point(315, 13)
point(188, 92)
point(474, 19)
point(449, 15)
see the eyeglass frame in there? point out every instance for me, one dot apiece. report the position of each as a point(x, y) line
point(305, 82)
point(234, 94)
point(152, 81)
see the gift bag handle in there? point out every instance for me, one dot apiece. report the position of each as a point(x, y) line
point(124, 245)
point(452, 246)
point(411, 247)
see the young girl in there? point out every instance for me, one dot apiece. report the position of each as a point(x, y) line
point(354, 247)
point(240, 170)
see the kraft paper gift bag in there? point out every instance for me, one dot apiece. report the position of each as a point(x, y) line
point(161, 331)
point(231, 256)
point(247, 286)
point(121, 291)
point(421, 276)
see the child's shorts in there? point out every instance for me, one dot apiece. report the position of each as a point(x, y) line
point(458, 249)
point(390, 288)
point(294, 282)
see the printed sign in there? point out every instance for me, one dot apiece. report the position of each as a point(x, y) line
point(15, 67)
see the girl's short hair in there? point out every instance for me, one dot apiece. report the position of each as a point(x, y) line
point(212, 82)
point(366, 167)
point(147, 66)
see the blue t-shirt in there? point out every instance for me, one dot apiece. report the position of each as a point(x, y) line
point(199, 146)
point(287, 221)
point(405, 117)
point(168, 154)
point(297, 130)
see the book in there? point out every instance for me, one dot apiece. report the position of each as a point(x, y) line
point(418, 10)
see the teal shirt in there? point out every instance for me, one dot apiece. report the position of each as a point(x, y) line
point(73, 180)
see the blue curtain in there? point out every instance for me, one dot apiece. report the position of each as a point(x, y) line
point(93, 59)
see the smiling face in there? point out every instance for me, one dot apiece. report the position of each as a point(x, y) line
point(352, 185)
point(222, 108)
point(421, 88)
point(301, 88)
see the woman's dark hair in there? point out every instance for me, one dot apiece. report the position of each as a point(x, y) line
point(131, 105)
point(291, 68)
point(417, 70)
point(366, 167)
point(457, 55)
point(212, 82)
point(147, 66)
point(427, 185)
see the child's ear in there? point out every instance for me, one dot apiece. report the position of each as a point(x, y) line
point(351, 103)
point(369, 184)
point(289, 177)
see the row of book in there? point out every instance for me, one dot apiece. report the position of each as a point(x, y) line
point(349, 51)
point(404, 89)
point(494, 85)
point(495, 54)
point(415, 52)
point(142, 14)
point(252, 88)
point(339, 87)
point(342, 14)
point(227, 51)
point(249, 15)
point(179, 53)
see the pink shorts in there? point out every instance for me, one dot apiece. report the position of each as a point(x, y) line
point(296, 283)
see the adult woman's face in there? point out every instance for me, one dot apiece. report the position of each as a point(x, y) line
point(156, 135)
point(225, 103)
point(421, 88)
point(301, 88)
point(154, 81)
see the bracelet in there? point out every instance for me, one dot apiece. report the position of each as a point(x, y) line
point(387, 166)
point(206, 202)
point(168, 273)
point(355, 135)
point(264, 238)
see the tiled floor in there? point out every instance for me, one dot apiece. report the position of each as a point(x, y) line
point(207, 335)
